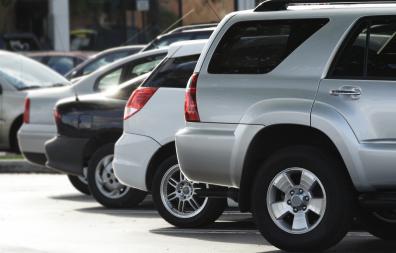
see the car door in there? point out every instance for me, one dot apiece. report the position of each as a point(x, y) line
point(361, 86)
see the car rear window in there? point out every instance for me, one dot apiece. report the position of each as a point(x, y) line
point(257, 47)
point(173, 72)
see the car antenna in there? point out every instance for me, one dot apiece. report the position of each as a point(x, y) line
point(163, 31)
point(177, 21)
point(213, 9)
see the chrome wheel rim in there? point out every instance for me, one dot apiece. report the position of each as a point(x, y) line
point(84, 177)
point(179, 194)
point(106, 180)
point(296, 200)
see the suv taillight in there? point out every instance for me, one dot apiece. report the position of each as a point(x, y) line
point(57, 116)
point(137, 100)
point(190, 103)
point(26, 114)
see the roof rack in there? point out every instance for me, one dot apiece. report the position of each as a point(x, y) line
point(279, 5)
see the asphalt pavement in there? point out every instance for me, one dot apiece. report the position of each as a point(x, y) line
point(43, 213)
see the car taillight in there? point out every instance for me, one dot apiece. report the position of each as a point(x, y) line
point(137, 100)
point(190, 103)
point(26, 114)
point(57, 116)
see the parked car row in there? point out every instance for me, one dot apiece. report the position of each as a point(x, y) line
point(286, 109)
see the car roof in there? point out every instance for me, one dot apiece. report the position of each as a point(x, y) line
point(192, 27)
point(115, 49)
point(78, 54)
point(184, 48)
point(325, 10)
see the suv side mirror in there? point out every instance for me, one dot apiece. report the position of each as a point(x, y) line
point(1, 89)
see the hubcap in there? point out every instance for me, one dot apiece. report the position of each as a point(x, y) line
point(178, 194)
point(106, 180)
point(296, 200)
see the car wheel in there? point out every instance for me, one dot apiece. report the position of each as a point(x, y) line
point(176, 199)
point(104, 185)
point(80, 183)
point(381, 224)
point(302, 199)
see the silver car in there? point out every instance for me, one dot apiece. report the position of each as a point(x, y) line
point(18, 75)
point(294, 106)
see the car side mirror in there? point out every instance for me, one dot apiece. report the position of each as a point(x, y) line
point(1, 89)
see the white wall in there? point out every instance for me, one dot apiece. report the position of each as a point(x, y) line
point(59, 25)
point(246, 4)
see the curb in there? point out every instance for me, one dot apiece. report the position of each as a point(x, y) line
point(22, 166)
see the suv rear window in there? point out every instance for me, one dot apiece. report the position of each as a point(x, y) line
point(257, 47)
point(173, 72)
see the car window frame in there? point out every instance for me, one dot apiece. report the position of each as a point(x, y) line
point(352, 33)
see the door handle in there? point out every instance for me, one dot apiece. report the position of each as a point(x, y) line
point(352, 92)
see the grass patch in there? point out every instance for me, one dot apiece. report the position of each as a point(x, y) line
point(10, 156)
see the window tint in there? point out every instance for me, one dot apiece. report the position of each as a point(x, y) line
point(257, 47)
point(104, 60)
point(128, 71)
point(173, 72)
point(109, 80)
point(61, 64)
point(369, 53)
point(141, 66)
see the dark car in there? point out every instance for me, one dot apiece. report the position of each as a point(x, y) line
point(88, 127)
point(192, 32)
point(18, 42)
point(61, 62)
point(101, 59)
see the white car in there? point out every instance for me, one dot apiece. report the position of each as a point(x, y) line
point(145, 155)
point(18, 75)
point(39, 126)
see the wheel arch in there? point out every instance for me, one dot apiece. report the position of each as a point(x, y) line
point(97, 141)
point(273, 138)
point(162, 153)
point(15, 126)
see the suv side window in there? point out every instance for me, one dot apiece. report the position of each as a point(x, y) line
point(258, 47)
point(369, 53)
point(173, 72)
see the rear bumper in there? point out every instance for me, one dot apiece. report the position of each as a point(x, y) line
point(66, 154)
point(36, 158)
point(214, 153)
point(132, 155)
point(31, 139)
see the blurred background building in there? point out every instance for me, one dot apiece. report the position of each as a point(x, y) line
point(65, 25)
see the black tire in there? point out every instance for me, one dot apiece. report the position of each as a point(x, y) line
point(337, 215)
point(129, 199)
point(381, 224)
point(14, 145)
point(210, 212)
point(78, 184)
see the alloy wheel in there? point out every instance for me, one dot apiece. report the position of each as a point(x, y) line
point(296, 200)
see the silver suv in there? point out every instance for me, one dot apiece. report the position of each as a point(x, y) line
point(294, 107)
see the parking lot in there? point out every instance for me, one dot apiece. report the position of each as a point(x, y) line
point(43, 213)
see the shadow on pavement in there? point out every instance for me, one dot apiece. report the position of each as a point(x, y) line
point(79, 197)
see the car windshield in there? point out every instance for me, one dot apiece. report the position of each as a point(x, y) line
point(24, 73)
